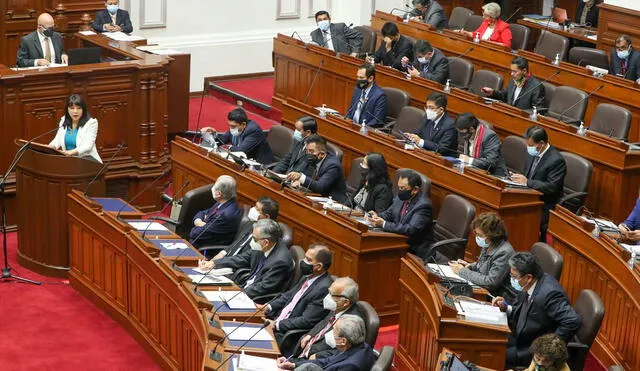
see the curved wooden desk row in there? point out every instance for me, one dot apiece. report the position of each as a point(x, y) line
point(600, 264)
point(520, 208)
point(428, 324)
point(357, 252)
point(126, 276)
point(615, 172)
point(497, 58)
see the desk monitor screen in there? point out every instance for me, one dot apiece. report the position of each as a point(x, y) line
point(84, 56)
point(559, 15)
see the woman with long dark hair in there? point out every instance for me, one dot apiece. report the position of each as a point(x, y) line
point(374, 192)
point(77, 133)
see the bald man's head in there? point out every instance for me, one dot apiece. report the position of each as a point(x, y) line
point(45, 20)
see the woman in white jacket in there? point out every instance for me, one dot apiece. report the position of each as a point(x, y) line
point(77, 133)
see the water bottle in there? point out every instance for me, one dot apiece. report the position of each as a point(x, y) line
point(632, 261)
point(534, 114)
point(556, 61)
point(447, 86)
point(582, 130)
point(407, 17)
point(323, 113)
point(363, 128)
point(327, 205)
point(476, 37)
point(596, 231)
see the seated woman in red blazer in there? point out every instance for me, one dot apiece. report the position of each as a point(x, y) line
point(492, 27)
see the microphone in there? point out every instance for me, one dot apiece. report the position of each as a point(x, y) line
point(105, 166)
point(242, 346)
point(204, 90)
point(163, 209)
point(313, 82)
point(547, 27)
point(20, 152)
point(339, 37)
point(578, 102)
point(175, 260)
point(466, 52)
point(512, 14)
point(529, 91)
point(405, 12)
point(295, 33)
point(166, 172)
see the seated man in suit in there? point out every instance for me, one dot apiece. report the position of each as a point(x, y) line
point(429, 12)
point(324, 174)
point(430, 63)
point(625, 60)
point(353, 353)
point(541, 307)
point(218, 224)
point(269, 261)
point(336, 36)
point(393, 48)
point(544, 171)
point(112, 19)
point(481, 145)
point(301, 307)
point(368, 102)
point(43, 46)
point(296, 159)
point(410, 214)
point(524, 90)
point(436, 131)
point(245, 136)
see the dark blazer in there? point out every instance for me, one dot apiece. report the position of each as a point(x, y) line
point(320, 348)
point(443, 139)
point(531, 94)
point(547, 178)
point(358, 358)
point(400, 48)
point(327, 179)
point(491, 271)
point(592, 14)
point(437, 70)
point(344, 39)
point(633, 65)
point(491, 158)
point(30, 49)
point(435, 16)
point(252, 141)
point(220, 228)
point(375, 106)
point(417, 223)
point(379, 198)
point(273, 275)
point(308, 311)
point(549, 311)
point(244, 237)
point(633, 220)
point(122, 20)
point(294, 160)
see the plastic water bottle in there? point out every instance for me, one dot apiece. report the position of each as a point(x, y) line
point(447, 86)
point(363, 128)
point(632, 261)
point(556, 61)
point(534, 114)
point(476, 37)
point(328, 205)
point(323, 113)
point(582, 130)
point(596, 231)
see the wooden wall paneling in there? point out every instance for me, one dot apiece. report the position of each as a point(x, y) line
point(613, 21)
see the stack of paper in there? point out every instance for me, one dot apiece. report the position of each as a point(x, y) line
point(245, 362)
point(214, 272)
point(231, 298)
point(441, 269)
point(121, 36)
point(244, 333)
point(210, 280)
point(174, 245)
point(481, 312)
point(148, 226)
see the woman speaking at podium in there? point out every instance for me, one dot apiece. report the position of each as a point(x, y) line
point(77, 133)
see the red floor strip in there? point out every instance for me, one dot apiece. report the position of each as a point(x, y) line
point(259, 89)
point(214, 114)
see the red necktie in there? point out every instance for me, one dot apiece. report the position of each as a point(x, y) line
point(623, 66)
point(404, 208)
point(319, 335)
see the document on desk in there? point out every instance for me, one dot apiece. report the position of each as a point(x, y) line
point(174, 245)
point(86, 33)
point(631, 248)
point(214, 272)
point(210, 280)
point(227, 296)
point(148, 226)
point(447, 271)
point(475, 311)
point(245, 362)
point(605, 224)
point(246, 332)
point(121, 36)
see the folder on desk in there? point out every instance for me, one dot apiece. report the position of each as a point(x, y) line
point(475, 311)
point(244, 362)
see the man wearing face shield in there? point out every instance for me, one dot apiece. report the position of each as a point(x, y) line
point(301, 307)
point(296, 159)
point(43, 46)
point(429, 64)
point(336, 36)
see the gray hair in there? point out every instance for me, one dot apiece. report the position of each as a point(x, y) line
point(492, 10)
point(226, 185)
point(352, 328)
point(624, 38)
point(351, 289)
point(269, 229)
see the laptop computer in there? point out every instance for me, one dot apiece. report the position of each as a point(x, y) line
point(84, 55)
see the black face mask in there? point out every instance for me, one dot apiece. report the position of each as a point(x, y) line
point(312, 159)
point(404, 194)
point(48, 32)
point(305, 268)
point(362, 83)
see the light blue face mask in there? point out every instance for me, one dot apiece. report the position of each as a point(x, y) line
point(324, 25)
point(623, 54)
point(482, 241)
point(515, 284)
point(297, 135)
point(533, 151)
point(112, 8)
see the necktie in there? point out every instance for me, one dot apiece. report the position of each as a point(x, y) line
point(327, 38)
point(356, 116)
point(523, 312)
point(260, 264)
point(404, 208)
point(319, 335)
point(234, 140)
point(215, 210)
point(47, 49)
point(623, 66)
point(533, 166)
point(425, 69)
point(284, 314)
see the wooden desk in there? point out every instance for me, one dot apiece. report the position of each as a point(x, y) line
point(577, 33)
point(600, 264)
point(357, 252)
point(615, 167)
point(444, 355)
point(495, 58)
point(520, 208)
point(427, 325)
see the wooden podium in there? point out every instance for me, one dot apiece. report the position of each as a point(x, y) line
point(44, 176)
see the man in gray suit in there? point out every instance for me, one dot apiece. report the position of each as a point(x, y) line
point(43, 46)
point(429, 12)
point(481, 145)
point(336, 36)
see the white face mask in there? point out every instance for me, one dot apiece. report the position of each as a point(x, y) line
point(329, 304)
point(234, 131)
point(431, 114)
point(254, 214)
point(329, 339)
point(255, 245)
point(422, 60)
point(213, 193)
point(324, 25)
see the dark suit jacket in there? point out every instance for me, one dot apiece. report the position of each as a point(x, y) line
point(30, 49)
point(443, 139)
point(531, 94)
point(122, 20)
point(379, 198)
point(294, 160)
point(417, 223)
point(633, 220)
point(242, 244)
point(221, 227)
point(375, 106)
point(548, 312)
point(344, 39)
point(435, 16)
point(633, 65)
point(309, 309)
point(273, 275)
point(491, 158)
point(359, 358)
point(437, 70)
point(548, 178)
point(252, 141)
point(592, 14)
point(400, 48)
point(328, 179)
point(320, 348)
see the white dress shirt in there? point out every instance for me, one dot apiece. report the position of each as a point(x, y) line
point(328, 39)
point(435, 125)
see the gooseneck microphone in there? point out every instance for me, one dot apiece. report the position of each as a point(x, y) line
point(534, 88)
point(578, 102)
point(105, 166)
point(240, 347)
point(313, 82)
point(166, 172)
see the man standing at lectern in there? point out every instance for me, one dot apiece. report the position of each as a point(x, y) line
point(43, 46)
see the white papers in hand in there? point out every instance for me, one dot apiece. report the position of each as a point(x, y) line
point(245, 333)
point(174, 246)
point(246, 362)
point(149, 226)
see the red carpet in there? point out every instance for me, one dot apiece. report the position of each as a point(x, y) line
point(214, 113)
point(52, 327)
point(259, 89)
